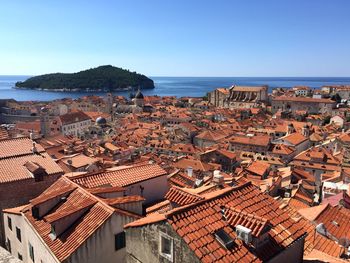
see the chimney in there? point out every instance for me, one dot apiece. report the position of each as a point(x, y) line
point(218, 179)
point(190, 171)
point(34, 149)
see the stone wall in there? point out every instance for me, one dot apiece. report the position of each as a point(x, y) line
point(142, 245)
point(6, 118)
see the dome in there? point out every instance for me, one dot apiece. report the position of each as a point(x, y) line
point(139, 95)
point(101, 121)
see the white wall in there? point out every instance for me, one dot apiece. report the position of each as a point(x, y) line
point(99, 247)
point(154, 189)
point(28, 235)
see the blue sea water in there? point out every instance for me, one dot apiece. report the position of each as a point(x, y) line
point(171, 86)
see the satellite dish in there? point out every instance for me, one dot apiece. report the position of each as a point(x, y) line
point(69, 161)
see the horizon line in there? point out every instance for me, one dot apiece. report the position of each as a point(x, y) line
point(167, 76)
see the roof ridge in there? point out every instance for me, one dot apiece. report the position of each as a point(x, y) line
point(184, 191)
point(99, 200)
point(73, 177)
point(323, 210)
point(207, 198)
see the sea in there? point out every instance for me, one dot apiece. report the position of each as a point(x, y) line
point(171, 86)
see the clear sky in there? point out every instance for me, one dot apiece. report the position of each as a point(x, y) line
point(177, 37)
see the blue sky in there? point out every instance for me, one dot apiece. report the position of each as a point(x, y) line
point(177, 38)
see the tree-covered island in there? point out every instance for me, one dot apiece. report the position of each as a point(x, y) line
point(103, 78)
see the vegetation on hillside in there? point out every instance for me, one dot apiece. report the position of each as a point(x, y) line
point(106, 78)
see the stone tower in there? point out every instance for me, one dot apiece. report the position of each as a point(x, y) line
point(44, 122)
point(109, 103)
point(139, 99)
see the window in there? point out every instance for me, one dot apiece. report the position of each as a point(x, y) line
point(31, 251)
point(8, 245)
point(9, 222)
point(119, 240)
point(18, 234)
point(166, 246)
point(20, 257)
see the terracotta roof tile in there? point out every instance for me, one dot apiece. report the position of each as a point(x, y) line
point(259, 140)
point(196, 223)
point(181, 197)
point(124, 199)
point(96, 213)
point(122, 177)
point(14, 169)
point(17, 147)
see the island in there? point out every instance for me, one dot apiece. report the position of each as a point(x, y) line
point(103, 78)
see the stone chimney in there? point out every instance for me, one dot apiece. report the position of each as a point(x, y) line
point(290, 129)
point(218, 179)
point(189, 171)
point(305, 131)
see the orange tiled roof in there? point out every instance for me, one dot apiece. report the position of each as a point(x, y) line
point(248, 88)
point(294, 138)
point(259, 140)
point(258, 167)
point(17, 147)
point(100, 190)
point(182, 180)
point(282, 149)
point(70, 240)
point(196, 223)
point(73, 117)
point(313, 239)
point(79, 160)
point(336, 221)
point(210, 135)
point(124, 199)
point(4, 133)
point(181, 197)
point(184, 163)
point(14, 169)
point(122, 177)
point(61, 188)
point(237, 217)
point(160, 207)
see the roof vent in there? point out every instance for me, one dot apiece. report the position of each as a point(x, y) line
point(224, 239)
point(321, 229)
point(244, 234)
point(190, 171)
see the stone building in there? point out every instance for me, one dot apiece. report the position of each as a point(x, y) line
point(238, 97)
point(218, 97)
point(250, 143)
point(247, 97)
point(26, 170)
point(310, 105)
point(74, 123)
point(68, 223)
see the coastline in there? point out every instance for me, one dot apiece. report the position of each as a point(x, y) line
point(77, 90)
